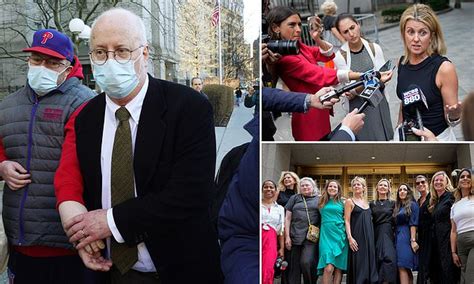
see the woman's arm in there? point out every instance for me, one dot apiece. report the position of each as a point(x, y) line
point(348, 206)
point(281, 245)
point(68, 210)
point(413, 243)
point(337, 34)
point(453, 239)
point(447, 82)
point(400, 115)
point(287, 229)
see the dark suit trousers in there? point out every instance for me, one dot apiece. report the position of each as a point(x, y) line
point(133, 276)
point(51, 270)
point(304, 260)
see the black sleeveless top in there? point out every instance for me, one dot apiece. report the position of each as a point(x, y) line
point(424, 76)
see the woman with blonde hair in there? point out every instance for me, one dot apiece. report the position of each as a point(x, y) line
point(362, 266)
point(288, 185)
point(462, 227)
point(331, 34)
point(442, 267)
point(333, 248)
point(382, 217)
point(423, 66)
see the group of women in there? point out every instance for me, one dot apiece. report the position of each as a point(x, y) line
point(381, 241)
point(422, 64)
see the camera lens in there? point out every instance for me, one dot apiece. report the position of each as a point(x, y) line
point(284, 47)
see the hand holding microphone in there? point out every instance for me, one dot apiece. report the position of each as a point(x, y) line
point(370, 77)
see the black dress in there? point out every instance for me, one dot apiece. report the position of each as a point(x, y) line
point(385, 254)
point(425, 223)
point(282, 199)
point(284, 196)
point(442, 268)
point(362, 267)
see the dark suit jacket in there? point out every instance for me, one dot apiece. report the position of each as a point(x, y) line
point(279, 100)
point(174, 160)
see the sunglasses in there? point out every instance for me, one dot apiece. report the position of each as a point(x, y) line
point(465, 176)
point(420, 182)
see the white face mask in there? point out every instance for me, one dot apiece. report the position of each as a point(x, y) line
point(42, 80)
point(115, 79)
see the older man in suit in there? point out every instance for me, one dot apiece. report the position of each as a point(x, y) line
point(140, 159)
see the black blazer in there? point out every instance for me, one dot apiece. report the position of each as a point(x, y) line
point(174, 165)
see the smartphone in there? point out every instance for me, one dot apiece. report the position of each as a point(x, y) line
point(387, 66)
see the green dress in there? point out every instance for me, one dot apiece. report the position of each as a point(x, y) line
point(333, 246)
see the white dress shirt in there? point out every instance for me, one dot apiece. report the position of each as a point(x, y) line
point(273, 216)
point(134, 107)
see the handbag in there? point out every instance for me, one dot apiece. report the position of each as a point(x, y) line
point(313, 231)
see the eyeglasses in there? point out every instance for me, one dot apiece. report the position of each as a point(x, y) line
point(420, 182)
point(48, 62)
point(121, 55)
point(464, 176)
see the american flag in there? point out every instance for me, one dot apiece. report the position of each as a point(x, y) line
point(215, 15)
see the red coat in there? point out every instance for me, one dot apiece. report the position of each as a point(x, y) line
point(301, 73)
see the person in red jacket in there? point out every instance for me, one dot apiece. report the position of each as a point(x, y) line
point(301, 72)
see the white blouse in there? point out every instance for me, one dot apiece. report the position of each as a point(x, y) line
point(462, 213)
point(273, 216)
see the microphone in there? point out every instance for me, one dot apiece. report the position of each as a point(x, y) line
point(366, 78)
point(371, 95)
point(413, 103)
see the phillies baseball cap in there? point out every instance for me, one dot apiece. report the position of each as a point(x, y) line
point(52, 43)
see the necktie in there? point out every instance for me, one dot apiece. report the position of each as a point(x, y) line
point(122, 186)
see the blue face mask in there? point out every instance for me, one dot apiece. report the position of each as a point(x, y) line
point(115, 79)
point(43, 80)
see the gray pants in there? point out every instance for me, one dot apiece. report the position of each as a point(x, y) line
point(465, 245)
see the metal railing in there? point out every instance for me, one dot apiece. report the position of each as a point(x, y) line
point(368, 27)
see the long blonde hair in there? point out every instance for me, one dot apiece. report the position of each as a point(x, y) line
point(434, 199)
point(424, 14)
point(281, 185)
point(363, 182)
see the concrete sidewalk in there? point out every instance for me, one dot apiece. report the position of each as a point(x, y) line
point(234, 134)
point(457, 27)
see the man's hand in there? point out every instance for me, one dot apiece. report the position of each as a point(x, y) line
point(425, 133)
point(87, 228)
point(354, 121)
point(268, 56)
point(14, 174)
point(316, 103)
point(95, 261)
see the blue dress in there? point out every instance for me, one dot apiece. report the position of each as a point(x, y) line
point(406, 258)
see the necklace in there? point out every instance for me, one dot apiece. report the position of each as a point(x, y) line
point(382, 201)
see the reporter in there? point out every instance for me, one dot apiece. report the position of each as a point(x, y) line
point(423, 64)
point(301, 73)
